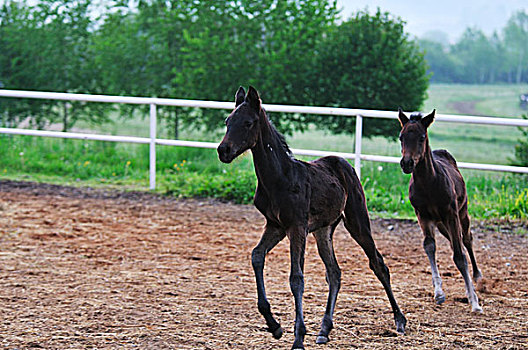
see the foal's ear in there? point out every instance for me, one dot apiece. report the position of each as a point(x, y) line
point(253, 98)
point(428, 119)
point(402, 117)
point(239, 96)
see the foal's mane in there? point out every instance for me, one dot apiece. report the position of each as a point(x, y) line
point(415, 117)
point(276, 134)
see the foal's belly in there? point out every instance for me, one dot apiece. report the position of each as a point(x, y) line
point(326, 209)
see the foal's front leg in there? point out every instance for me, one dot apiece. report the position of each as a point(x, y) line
point(429, 246)
point(452, 224)
point(271, 237)
point(297, 249)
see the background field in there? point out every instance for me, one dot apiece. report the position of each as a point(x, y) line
point(194, 172)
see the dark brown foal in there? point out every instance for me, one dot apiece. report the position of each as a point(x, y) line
point(438, 194)
point(297, 198)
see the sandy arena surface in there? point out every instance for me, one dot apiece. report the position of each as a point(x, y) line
point(95, 269)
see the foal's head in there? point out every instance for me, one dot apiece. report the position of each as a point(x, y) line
point(243, 125)
point(413, 137)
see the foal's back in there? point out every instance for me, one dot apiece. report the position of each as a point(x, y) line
point(450, 165)
point(450, 169)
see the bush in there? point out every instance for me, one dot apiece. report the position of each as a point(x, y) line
point(521, 149)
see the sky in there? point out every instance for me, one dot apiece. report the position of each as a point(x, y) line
point(449, 16)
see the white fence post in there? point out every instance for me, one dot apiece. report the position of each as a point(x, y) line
point(152, 158)
point(357, 148)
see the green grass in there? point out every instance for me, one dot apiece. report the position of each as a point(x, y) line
point(490, 100)
point(190, 172)
point(476, 143)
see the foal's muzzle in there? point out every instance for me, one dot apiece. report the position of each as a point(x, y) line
point(407, 165)
point(225, 153)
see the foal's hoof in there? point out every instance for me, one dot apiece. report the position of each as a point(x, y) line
point(401, 322)
point(439, 299)
point(277, 334)
point(477, 310)
point(400, 328)
point(322, 339)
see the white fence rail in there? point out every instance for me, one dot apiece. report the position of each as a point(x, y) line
point(153, 141)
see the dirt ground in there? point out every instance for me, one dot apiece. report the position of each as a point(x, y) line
point(95, 269)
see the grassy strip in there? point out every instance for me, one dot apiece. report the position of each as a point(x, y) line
point(190, 172)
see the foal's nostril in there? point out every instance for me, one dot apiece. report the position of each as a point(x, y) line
point(407, 165)
point(223, 149)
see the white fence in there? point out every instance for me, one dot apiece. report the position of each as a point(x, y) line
point(153, 141)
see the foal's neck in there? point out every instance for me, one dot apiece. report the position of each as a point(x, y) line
point(425, 170)
point(271, 156)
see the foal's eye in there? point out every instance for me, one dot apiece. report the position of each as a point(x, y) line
point(248, 124)
point(422, 138)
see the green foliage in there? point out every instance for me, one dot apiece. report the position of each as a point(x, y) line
point(369, 62)
point(516, 45)
point(267, 44)
point(521, 149)
point(293, 51)
point(442, 65)
point(190, 172)
point(47, 47)
point(237, 186)
point(75, 160)
point(21, 42)
point(386, 190)
point(476, 58)
point(498, 197)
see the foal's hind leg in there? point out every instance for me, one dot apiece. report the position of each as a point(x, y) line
point(453, 228)
point(467, 238)
point(358, 224)
point(429, 245)
point(272, 235)
point(333, 278)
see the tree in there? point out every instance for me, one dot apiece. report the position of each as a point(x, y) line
point(442, 66)
point(46, 47)
point(477, 58)
point(138, 51)
point(369, 62)
point(475, 55)
point(21, 66)
point(68, 28)
point(516, 44)
point(268, 44)
point(293, 51)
